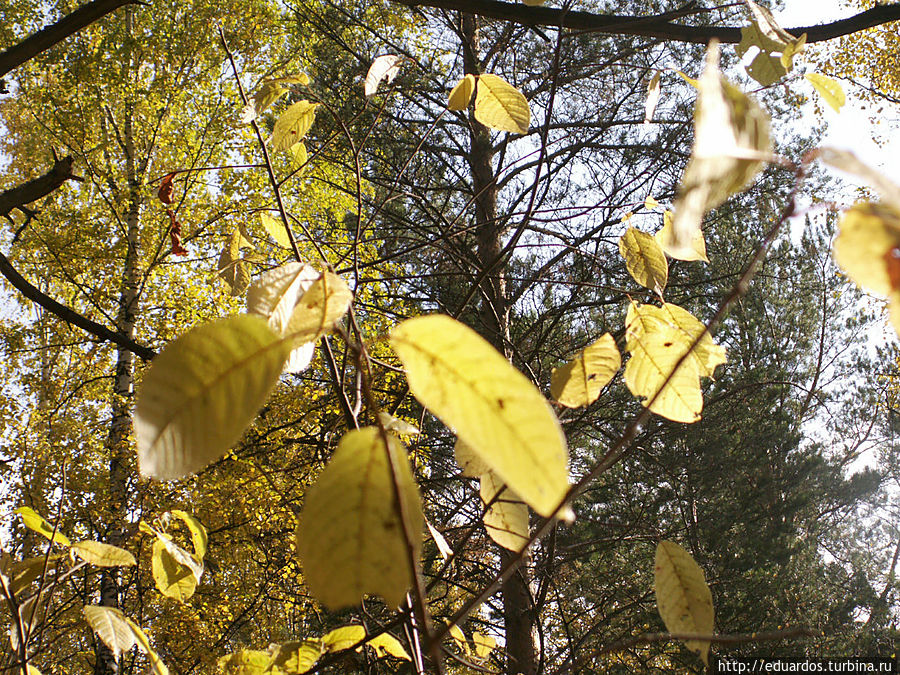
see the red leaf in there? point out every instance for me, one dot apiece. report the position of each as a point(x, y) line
point(166, 189)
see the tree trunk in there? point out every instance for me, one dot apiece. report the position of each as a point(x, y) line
point(120, 427)
point(518, 614)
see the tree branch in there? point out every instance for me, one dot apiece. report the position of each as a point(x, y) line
point(45, 38)
point(18, 197)
point(658, 26)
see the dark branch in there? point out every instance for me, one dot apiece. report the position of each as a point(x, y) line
point(45, 38)
point(659, 26)
point(17, 198)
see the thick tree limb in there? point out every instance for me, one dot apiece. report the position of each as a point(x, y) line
point(68, 25)
point(18, 197)
point(659, 26)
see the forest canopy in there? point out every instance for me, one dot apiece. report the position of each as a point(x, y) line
point(443, 336)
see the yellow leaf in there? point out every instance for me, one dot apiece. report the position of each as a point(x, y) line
point(459, 638)
point(644, 259)
point(244, 662)
point(36, 523)
point(652, 361)
point(696, 250)
point(493, 408)
point(173, 579)
point(682, 596)
point(690, 80)
point(396, 425)
point(501, 106)
point(462, 93)
point(269, 92)
point(830, 90)
point(506, 520)
point(321, 306)
point(383, 69)
point(650, 203)
point(653, 92)
point(231, 267)
point(276, 229)
point(351, 539)
point(103, 555)
point(731, 144)
point(387, 645)
point(199, 537)
point(296, 657)
point(299, 157)
point(157, 667)
point(276, 292)
point(293, 125)
point(342, 638)
point(110, 625)
point(202, 391)
point(580, 382)
point(776, 46)
point(484, 644)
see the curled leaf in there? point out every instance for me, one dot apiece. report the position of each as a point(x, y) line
point(580, 381)
point(383, 69)
point(462, 93)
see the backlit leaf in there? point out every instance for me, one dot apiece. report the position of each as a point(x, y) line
point(321, 306)
point(199, 538)
point(293, 125)
point(682, 596)
point(299, 159)
point(645, 260)
point(157, 667)
point(867, 248)
point(383, 69)
point(269, 92)
point(580, 382)
point(396, 425)
point(173, 579)
point(342, 638)
point(443, 547)
point(696, 250)
point(499, 105)
point(110, 625)
point(830, 90)
point(731, 144)
point(653, 92)
point(387, 645)
point(506, 520)
point(776, 46)
point(244, 662)
point(484, 644)
point(103, 555)
point(490, 405)
point(231, 267)
point(295, 658)
point(459, 638)
point(462, 93)
point(36, 523)
point(202, 391)
point(275, 228)
point(351, 539)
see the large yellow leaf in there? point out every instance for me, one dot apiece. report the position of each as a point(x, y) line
point(499, 105)
point(321, 306)
point(269, 92)
point(644, 259)
point(490, 405)
point(110, 624)
point(731, 144)
point(33, 521)
point(652, 361)
point(295, 658)
point(103, 555)
point(471, 464)
point(351, 539)
point(173, 578)
point(293, 125)
point(387, 645)
point(343, 638)
point(696, 250)
point(462, 93)
point(830, 90)
point(682, 596)
point(244, 662)
point(506, 520)
point(199, 537)
point(707, 353)
point(202, 391)
point(580, 382)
